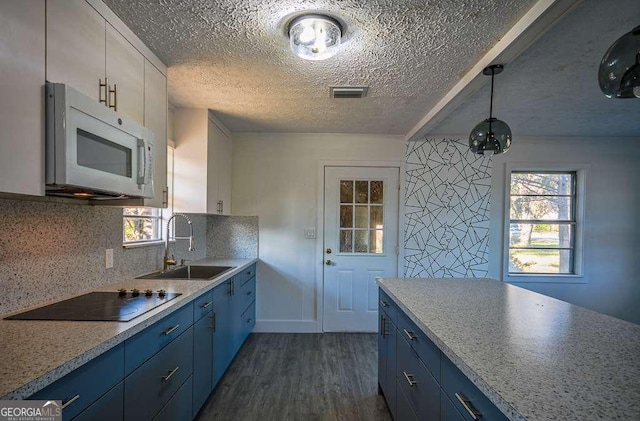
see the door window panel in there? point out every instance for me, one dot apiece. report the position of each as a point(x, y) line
point(361, 216)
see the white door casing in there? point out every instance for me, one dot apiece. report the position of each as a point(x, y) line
point(360, 243)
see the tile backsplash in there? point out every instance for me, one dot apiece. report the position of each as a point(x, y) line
point(49, 250)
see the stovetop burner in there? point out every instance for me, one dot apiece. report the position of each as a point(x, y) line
point(100, 306)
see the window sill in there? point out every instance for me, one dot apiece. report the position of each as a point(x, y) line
point(539, 278)
point(138, 244)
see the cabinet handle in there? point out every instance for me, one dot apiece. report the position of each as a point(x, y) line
point(383, 327)
point(213, 317)
point(113, 91)
point(103, 85)
point(249, 292)
point(409, 334)
point(205, 305)
point(467, 405)
point(69, 401)
point(249, 320)
point(165, 197)
point(170, 330)
point(384, 303)
point(409, 378)
point(168, 376)
point(233, 287)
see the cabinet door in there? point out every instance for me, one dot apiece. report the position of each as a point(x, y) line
point(225, 153)
point(214, 138)
point(75, 46)
point(110, 407)
point(390, 393)
point(125, 71)
point(222, 347)
point(382, 353)
point(22, 74)
point(155, 119)
point(202, 361)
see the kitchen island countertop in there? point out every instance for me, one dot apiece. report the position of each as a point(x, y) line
point(35, 353)
point(535, 357)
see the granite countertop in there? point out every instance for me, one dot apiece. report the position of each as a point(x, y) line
point(535, 357)
point(37, 353)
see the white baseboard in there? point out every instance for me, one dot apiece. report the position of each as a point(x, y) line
point(287, 326)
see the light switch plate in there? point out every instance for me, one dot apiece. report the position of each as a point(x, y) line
point(310, 233)
point(108, 257)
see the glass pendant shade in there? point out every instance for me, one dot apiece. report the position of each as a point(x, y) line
point(314, 37)
point(619, 73)
point(491, 136)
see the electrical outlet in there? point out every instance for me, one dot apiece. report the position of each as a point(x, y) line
point(108, 257)
point(310, 233)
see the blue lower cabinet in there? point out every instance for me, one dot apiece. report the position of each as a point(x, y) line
point(404, 411)
point(248, 321)
point(151, 385)
point(83, 386)
point(179, 406)
point(110, 407)
point(447, 410)
point(419, 386)
point(202, 361)
point(222, 332)
point(387, 359)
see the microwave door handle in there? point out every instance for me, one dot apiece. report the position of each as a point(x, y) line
point(142, 162)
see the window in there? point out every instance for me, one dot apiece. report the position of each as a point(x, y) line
point(542, 222)
point(361, 216)
point(142, 225)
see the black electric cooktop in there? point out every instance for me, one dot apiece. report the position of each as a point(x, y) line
point(99, 306)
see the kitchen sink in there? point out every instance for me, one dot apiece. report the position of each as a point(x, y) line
point(189, 272)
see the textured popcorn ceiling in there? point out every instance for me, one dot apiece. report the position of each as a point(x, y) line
point(552, 89)
point(232, 56)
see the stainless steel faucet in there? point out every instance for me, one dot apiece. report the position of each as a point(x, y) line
point(171, 262)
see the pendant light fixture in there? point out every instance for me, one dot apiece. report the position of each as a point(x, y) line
point(491, 136)
point(314, 36)
point(619, 73)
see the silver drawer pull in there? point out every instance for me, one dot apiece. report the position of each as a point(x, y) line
point(70, 401)
point(170, 330)
point(205, 305)
point(249, 292)
point(467, 405)
point(410, 334)
point(384, 303)
point(249, 320)
point(409, 378)
point(168, 376)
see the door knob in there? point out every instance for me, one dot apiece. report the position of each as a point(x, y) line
point(328, 251)
point(328, 262)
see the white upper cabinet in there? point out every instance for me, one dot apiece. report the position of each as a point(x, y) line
point(125, 70)
point(22, 73)
point(155, 119)
point(202, 160)
point(76, 46)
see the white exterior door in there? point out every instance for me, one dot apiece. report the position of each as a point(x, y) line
point(360, 243)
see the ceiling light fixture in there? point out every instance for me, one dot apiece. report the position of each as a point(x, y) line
point(619, 73)
point(491, 135)
point(314, 36)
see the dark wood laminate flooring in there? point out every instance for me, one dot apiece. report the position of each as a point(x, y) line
point(277, 376)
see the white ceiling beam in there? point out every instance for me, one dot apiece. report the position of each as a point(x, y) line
point(540, 18)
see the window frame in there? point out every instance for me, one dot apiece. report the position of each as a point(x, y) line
point(156, 217)
point(580, 171)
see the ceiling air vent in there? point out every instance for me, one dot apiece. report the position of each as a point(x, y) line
point(348, 91)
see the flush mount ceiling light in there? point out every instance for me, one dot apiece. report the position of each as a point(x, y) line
point(314, 36)
point(619, 73)
point(491, 135)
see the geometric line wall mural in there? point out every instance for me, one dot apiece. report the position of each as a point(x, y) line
point(447, 199)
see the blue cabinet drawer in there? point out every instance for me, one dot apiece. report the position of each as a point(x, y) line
point(145, 344)
point(387, 305)
point(151, 386)
point(419, 386)
point(108, 408)
point(247, 292)
point(448, 411)
point(85, 385)
point(465, 396)
point(426, 350)
point(245, 274)
point(248, 320)
point(202, 305)
point(179, 406)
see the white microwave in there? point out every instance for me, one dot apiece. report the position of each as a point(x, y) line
point(91, 151)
